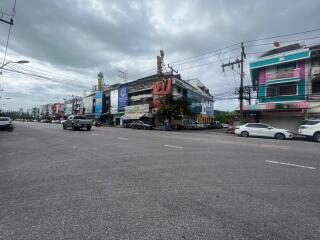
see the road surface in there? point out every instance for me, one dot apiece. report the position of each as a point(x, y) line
point(112, 183)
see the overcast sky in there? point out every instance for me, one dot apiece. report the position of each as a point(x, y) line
point(70, 41)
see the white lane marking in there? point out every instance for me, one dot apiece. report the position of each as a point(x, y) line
point(172, 146)
point(290, 164)
point(126, 139)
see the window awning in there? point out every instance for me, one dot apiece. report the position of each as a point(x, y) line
point(288, 80)
point(132, 116)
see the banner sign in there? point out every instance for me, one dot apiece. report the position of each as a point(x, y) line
point(98, 104)
point(123, 98)
point(277, 106)
point(114, 101)
point(88, 104)
point(159, 89)
point(143, 108)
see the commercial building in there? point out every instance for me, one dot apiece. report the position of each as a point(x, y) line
point(287, 81)
point(139, 99)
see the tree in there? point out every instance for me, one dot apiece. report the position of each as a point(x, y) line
point(174, 108)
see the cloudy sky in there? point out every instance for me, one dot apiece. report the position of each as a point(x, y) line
point(69, 41)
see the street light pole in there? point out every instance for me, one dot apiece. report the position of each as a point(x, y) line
point(19, 62)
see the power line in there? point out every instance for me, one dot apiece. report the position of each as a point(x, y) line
point(293, 40)
point(209, 56)
point(285, 35)
point(210, 52)
point(9, 32)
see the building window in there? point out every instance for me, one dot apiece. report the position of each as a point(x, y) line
point(316, 86)
point(284, 90)
point(286, 67)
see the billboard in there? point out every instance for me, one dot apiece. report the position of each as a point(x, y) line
point(88, 104)
point(98, 104)
point(123, 98)
point(114, 99)
point(159, 89)
point(136, 109)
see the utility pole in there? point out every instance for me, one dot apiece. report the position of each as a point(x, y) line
point(8, 22)
point(240, 65)
point(123, 75)
point(172, 70)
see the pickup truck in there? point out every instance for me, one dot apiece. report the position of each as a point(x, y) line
point(77, 122)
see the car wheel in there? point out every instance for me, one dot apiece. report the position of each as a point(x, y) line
point(88, 128)
point(244, 134)
point(73, 127)
point(280, 136)
point(64, 126)
point(317, 137)
point(132, 127)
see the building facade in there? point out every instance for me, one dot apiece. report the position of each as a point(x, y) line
point(121, 103)
point(286, 80)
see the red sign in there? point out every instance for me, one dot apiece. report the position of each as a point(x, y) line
point(159, 89)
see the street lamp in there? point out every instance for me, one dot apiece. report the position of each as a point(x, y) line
point(19, 62)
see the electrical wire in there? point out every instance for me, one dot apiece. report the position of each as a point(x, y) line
point(9, 32)
point(210, 52)
point(281, 36)
point(293, 40)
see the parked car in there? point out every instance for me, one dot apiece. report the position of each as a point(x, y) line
point(263, 130)
point(6, 124)
point(57, 121)
point(215, 125)
point(310, 128)
point(77, 122)
point(194, 125)
point(44, 121)
point(140, 125)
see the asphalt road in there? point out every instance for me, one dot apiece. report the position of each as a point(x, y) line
point(113, 183)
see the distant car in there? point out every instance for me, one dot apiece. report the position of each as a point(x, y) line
point(6, 124)
point(77, 122)
point(140, 125)
point(263, 130)
point(310, 128)
point(57, 121)
point(44, 121)
point(194, 125)
point(215, 125)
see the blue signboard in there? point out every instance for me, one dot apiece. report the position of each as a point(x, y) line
point(98, 104)
point(123, 98)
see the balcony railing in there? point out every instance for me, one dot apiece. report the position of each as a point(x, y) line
point(295, 74)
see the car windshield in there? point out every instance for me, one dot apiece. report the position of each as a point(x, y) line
point(310, 122)
point(80, 117)
point(4, 119)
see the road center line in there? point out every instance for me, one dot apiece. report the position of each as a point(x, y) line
point(172, 146)
point(126, 139)
point(290, 164)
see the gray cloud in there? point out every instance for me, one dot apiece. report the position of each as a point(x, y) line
point(85, 37)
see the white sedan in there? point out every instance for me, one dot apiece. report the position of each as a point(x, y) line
point(263, 130)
